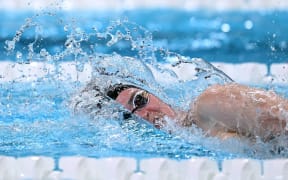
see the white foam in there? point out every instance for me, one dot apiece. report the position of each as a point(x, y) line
point(10, 71)
point(253, 73)
point(250, 73)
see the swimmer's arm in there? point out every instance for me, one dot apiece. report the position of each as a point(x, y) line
point(240, 109)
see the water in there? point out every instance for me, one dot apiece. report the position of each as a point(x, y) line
point(36, 117)
point(194, 34)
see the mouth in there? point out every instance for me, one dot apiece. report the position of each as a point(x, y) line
point(156, 118)
point(158, 123)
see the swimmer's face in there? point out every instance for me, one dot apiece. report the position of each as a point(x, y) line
point(145, 105)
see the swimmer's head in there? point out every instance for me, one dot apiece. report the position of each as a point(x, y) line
point(141, 103)
point(95, 99)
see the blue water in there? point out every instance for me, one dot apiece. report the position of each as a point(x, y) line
point(36, 119)
point(261, 35)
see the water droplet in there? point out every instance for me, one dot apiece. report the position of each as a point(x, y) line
point(28, 20)
point(69, 43)
point(43, 52)
point(225, 27)
point(18, 55)
point(125, 20)
point(10, 45)
point(66, 28)
point(78, 30)
point(248, 24)
point(94, 28)
point(80, 66)
point(272, 48)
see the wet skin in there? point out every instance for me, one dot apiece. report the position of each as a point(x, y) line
point(234, 109)
point(223, 111)
point(145, 105)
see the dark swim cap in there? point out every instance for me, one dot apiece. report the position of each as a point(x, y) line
point(114, 91)
point(98, 96)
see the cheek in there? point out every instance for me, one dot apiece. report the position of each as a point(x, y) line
point(156, 105)
point(155, 118)
point(124, 102)
point(149, 115)
point(142, 113)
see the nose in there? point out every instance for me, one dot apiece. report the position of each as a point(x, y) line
point(157, 108)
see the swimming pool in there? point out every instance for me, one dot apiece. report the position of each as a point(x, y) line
point(57, 53)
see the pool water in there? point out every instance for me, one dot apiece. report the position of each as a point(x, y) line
point(36, 117)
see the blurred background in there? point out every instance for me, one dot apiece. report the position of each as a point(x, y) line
point(225, 31)
point(132, 4)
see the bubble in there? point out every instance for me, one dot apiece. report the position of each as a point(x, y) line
point(225, 27)
point(248, 24)
point(30, 51)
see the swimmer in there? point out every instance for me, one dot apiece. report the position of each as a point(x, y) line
point(222, 111)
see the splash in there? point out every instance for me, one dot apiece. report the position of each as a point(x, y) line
point(117, 52)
